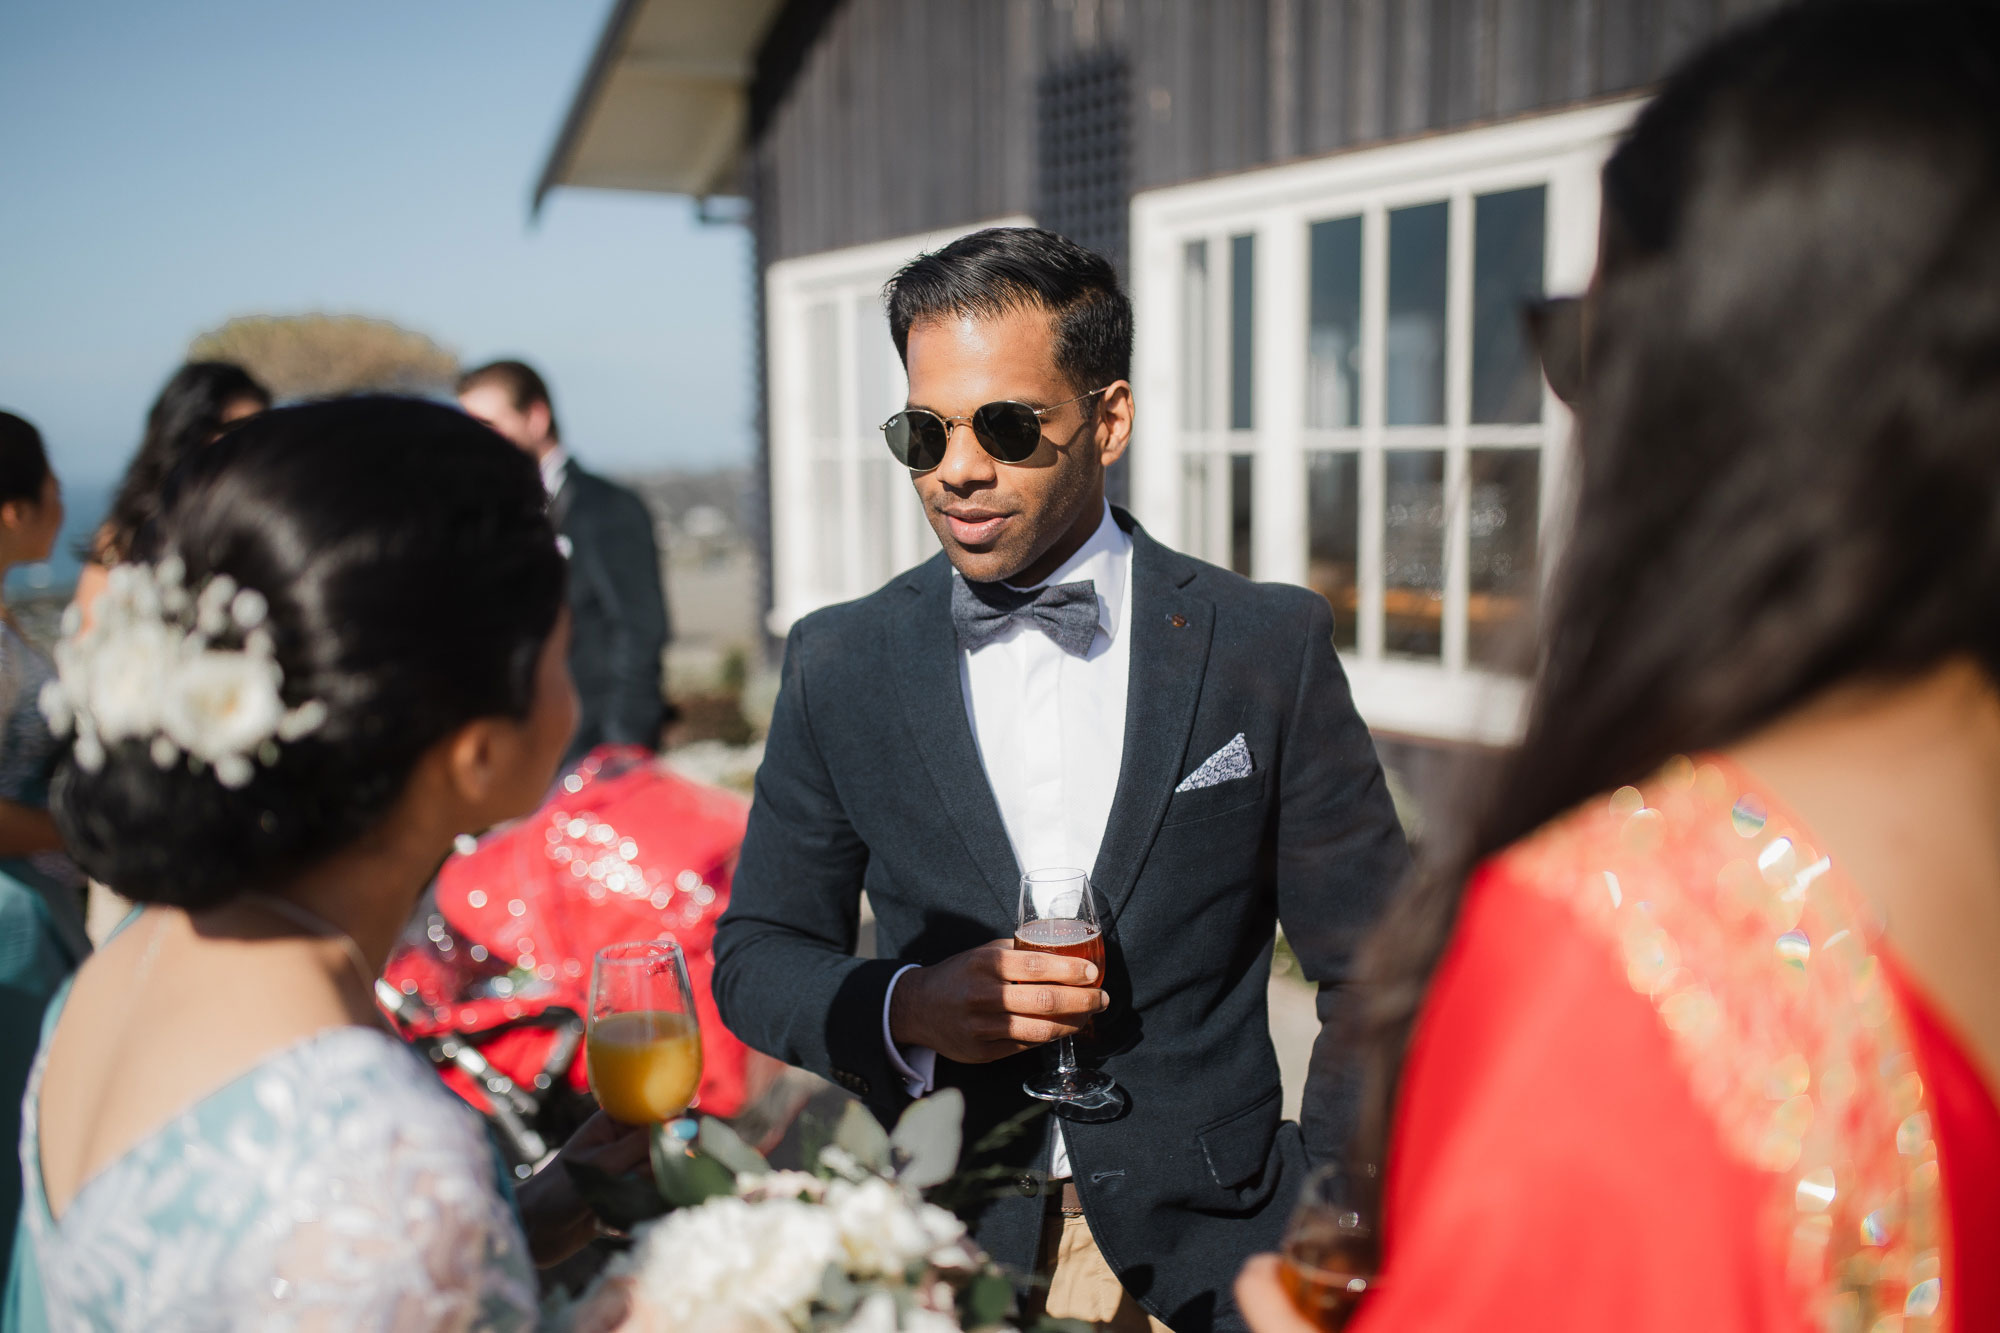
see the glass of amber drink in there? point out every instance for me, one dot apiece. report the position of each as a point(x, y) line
point(1059, 916)
point(1329, 1258)
point(643, 1045)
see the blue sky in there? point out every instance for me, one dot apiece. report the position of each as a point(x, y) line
point(166, 166)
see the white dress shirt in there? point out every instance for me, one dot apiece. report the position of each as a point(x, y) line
point(552, 464)
point(1050, 731)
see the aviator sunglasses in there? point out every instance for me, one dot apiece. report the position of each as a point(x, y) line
point(1009, 431)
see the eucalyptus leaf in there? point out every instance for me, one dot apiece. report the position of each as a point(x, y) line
point(862, 1137)
point(838, 1292)
point(686, 1179)
point(1048, 1325)
point(986, 1301)
point(726, 1146)
point(622, 1202)
point(928, 1138)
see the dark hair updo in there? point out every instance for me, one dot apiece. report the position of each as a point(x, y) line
point(412, 579)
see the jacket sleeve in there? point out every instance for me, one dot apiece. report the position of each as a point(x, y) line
point(786, 978)
point(631, 572)
point(1340, 854)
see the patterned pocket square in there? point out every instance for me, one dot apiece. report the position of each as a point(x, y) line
point(1232, 761)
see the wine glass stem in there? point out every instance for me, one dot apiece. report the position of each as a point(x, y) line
point(1066, 1065)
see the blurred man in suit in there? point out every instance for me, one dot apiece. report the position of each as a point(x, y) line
point(619, 613)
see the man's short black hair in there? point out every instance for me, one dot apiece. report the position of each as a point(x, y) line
point(524, 386)
point(1002, 269)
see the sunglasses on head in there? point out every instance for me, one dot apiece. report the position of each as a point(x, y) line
point(1009, 431)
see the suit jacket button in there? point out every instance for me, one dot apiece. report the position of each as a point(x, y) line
point(1029, 1186)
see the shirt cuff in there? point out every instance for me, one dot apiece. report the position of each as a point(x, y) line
point(917, 1065)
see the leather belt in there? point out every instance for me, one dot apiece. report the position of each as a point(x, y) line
point(1071, 1201)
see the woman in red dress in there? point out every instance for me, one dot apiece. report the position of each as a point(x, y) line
point(1698, 1026)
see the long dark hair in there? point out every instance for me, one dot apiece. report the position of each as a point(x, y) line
point(1790, 441)
point(24, 463)
point(187, 415)
point(412, 580)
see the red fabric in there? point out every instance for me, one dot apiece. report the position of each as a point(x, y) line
point(1552, 1170)
point(1968, 1139)
point(626, 849)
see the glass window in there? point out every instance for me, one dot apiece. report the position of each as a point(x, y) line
point(1506, 515)
point(1333, 338)
point(826, 510)
point(1242, 312)
point(1196, 369)
point(1194, 505)
point(1413, 359)
point(822, 371)
point(1413, 516)
point(1507, 244)
point(1240, 472)
point(879, 386)
point(1333, 538)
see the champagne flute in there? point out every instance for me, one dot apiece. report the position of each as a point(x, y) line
point(1059, 916)
point(1329, 1261)
point(644, 1043)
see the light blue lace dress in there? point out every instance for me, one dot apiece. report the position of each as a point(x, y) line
point(336, 1185)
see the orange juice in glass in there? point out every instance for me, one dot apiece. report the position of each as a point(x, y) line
point(644, 1044)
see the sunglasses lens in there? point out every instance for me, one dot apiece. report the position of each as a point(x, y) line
point(916, 439)
point(1009, 431)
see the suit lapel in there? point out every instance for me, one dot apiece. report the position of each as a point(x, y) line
point(1171, 628)
point(925, 667)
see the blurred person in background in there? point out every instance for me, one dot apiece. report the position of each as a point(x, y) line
point(219, 1132)
point(41, 891)
point(1696, 1027)
point(200, 400)
point(615, 595)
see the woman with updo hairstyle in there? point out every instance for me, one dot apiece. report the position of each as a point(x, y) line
point(1692, 1022)
point(339, 645)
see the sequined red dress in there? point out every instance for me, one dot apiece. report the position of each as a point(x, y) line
point(1668, 1079)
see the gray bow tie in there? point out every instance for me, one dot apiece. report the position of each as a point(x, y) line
point(1067, 613)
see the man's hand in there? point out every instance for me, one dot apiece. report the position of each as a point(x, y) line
point(557, 1221)
point(994, 1001)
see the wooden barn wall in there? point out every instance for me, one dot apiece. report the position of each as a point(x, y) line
point(881, 118)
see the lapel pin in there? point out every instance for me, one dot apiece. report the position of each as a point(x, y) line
point(1177, 620)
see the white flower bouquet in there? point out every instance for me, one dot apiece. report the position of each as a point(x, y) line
point(851, 1247)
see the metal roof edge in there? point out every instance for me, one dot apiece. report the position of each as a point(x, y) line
point(609, 43)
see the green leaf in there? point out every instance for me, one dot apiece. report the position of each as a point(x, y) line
point(987, 1300)
point(862, 1137)
point(618, 1201)
point(1048, 1325)
point(685, 1178)
point(726, 1146)
point(928, 1138)
point(838, 1292)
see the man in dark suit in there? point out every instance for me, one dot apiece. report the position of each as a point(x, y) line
point(1056, 688)
point(619, 620)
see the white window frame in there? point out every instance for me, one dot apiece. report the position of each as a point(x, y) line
point(852, 281)
point(1447, 700)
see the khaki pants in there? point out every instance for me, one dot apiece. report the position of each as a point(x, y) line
point(1082, 1285)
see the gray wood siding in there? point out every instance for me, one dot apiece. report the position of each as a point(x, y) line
point(900, 116)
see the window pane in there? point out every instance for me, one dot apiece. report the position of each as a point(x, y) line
point(1333, 538)
point(1413, 552)
point(1333, 346)
point(1194, 505)
point(1414, 355)
point(872, 520)
point(1196, 320)
point(1239, 513)
point(1507, 244)
point(822, 371)
point(879, 386)
point(1242, 309)
point(829, 539)
point(1506, 511)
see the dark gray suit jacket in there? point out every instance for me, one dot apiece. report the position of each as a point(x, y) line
point(871, 780)
point(618, 612)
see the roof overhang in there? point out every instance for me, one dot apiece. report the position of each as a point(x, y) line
point(665, 102)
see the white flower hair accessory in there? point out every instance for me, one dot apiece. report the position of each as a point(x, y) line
point(150, 668)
